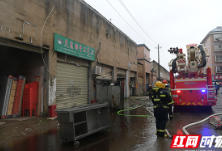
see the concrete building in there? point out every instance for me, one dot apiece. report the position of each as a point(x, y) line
point(143, 57)
point(212, 41)
point(164, 74)
point(149, 76)
point(63, 41)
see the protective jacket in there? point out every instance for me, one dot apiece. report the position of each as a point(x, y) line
point(160, 98)
point(168, 89)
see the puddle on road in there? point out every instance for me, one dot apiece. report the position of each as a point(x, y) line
point(126, 133)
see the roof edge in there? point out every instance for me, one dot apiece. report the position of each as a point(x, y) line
point(144, 46)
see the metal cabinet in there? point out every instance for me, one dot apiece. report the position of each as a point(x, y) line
point(78, 122)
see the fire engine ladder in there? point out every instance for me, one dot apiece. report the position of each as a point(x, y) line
point(211, 93)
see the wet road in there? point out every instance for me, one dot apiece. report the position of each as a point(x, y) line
point(126, 133)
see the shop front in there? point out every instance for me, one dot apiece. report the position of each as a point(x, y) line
point(72, 72)
point(20, 65)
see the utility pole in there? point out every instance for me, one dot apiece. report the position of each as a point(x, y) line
point(159, 47)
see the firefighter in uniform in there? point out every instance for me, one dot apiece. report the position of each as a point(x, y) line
point(167, 87)
point(150, 91)
point(160, 99)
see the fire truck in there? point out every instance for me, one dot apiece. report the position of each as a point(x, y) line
point(190, 84)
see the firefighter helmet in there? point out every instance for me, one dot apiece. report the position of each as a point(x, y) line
point(159, 84)
point(165, 81)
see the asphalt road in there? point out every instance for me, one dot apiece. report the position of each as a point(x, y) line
point(126, 133)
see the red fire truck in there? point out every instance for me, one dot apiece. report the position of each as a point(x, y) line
point(190, 84)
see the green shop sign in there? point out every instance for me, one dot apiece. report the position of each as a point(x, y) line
point(70, 47)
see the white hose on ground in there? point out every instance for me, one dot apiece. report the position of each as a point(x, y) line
point(168, 134)
point(195, 123)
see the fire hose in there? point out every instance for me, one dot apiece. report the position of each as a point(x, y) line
point(196, 123)
point(147, 108)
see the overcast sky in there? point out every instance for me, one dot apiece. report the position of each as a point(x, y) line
point(171, 23)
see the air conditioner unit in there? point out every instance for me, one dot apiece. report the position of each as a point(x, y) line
point(97, 70)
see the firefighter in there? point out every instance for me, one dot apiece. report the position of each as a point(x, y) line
point(150, 91)
point(167, 87)
point(160, 99)
point(170, 104)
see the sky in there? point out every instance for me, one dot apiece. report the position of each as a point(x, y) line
point(169, 23)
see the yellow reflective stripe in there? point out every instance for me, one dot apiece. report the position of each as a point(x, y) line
point(161, 130)
point(170, 103)
point(166, 107)
point(155, 88)
point(183, 103)
point(152, 96)
point(199, 103)
point(171, 115)
point(188, 103)
point(154, 106)
point(162, 95)
point(156, 99)
point(194, 103)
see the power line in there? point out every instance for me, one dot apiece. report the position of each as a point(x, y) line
point(135, 19)
point(119, 15)
point(126, 21)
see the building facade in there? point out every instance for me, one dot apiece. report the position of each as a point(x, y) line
point(213, 42)
point(164, 74)
point(143, 57)
point(149, 76)
point(63, 42)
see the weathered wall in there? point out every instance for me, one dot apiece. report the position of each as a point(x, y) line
point(72, 19)
point(143, 57)
point(166, 74)
point(140, 78)
point(140, 50)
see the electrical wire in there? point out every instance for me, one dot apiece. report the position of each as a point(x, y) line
point(41, 38)
point(135, 19)
point(127, 22)
point(120, 16)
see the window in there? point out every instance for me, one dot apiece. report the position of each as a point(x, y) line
point(218, 58)
point(218, 69)
point(217, 47)
point(217, 36)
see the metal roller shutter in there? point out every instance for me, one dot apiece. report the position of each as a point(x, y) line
point(71, 85)
point(106, 73)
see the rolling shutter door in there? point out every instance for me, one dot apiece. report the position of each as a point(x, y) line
point(106, 73)
point(71, 85)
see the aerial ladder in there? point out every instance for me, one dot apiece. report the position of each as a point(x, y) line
point(190, 84)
